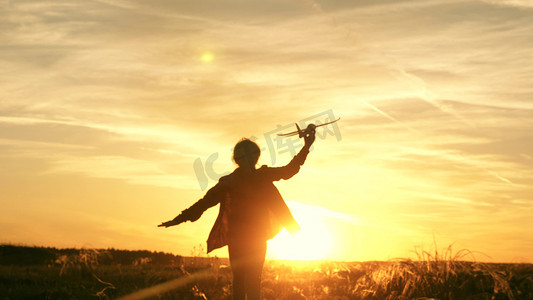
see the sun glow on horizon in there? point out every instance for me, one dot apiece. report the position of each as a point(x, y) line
point(313, 242)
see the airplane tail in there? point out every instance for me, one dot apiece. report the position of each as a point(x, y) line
point(300, 132)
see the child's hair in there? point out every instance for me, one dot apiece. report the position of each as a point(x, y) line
point(246, 153)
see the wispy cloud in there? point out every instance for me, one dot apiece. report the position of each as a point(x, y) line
point(435, 97)
point(516, 3)
point(131, 170)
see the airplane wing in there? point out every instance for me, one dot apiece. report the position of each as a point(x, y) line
point(328, 122)
point(288, 134)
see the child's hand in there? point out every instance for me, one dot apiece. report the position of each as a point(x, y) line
point(177, 220)
point(168, 223)
point(309, 138)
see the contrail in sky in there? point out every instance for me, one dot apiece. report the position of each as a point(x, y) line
point(414, 80)
point(386, 115)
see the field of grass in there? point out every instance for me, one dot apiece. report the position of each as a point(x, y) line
point(49, 273)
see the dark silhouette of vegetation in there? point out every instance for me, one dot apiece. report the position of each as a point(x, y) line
point(13, 255)
point(111, 273)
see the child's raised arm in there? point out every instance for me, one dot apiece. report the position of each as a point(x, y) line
point(289, 170)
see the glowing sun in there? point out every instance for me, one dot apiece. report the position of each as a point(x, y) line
point(311, 243)
point(207, 57)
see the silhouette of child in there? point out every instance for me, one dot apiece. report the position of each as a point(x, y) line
point(252, 211)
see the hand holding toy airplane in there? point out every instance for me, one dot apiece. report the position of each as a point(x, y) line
point(303, 132)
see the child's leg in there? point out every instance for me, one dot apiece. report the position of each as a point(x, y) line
point(239, 282)
point(247, 259)
point(254, 268)
point(237, 254)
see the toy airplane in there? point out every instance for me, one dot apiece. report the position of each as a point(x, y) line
point(303, 132)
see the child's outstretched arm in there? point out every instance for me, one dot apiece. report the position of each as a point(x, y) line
point(193, 213)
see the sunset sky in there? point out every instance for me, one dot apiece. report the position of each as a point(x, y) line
point(115, 115)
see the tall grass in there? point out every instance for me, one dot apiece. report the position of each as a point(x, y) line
point(84, 265)
point(436, 275)
point(103, 274)
point(430, 275)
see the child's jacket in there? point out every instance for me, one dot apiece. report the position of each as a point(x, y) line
point(251, 207)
